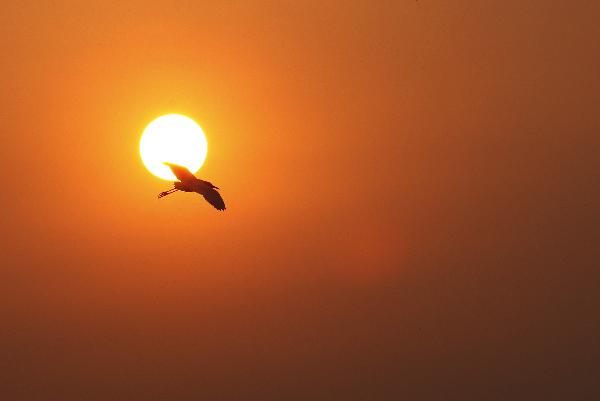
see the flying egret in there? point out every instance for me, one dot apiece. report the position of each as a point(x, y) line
point(189, 183)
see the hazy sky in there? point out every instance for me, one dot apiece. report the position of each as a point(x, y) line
point(412, 188)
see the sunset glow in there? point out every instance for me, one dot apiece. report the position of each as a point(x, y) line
point(401, 200)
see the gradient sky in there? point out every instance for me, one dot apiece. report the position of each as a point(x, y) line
point(412, 188)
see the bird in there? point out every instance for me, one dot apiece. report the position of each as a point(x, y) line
point(189, 183)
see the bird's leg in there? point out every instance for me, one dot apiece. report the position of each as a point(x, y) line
point(165, 193)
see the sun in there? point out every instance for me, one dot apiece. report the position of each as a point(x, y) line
point(173, 138)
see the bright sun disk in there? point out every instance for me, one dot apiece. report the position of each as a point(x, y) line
point(173, 138)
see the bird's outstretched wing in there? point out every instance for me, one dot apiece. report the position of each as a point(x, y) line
point(214, 198)
point(182, 173)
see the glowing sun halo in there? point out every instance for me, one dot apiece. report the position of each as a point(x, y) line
point(176, 139)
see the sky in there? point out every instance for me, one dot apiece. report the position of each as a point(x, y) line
point(412, 201)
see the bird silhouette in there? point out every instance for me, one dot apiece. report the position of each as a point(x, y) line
point(189, 183)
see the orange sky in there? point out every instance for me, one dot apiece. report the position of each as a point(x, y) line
point(411, 187)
